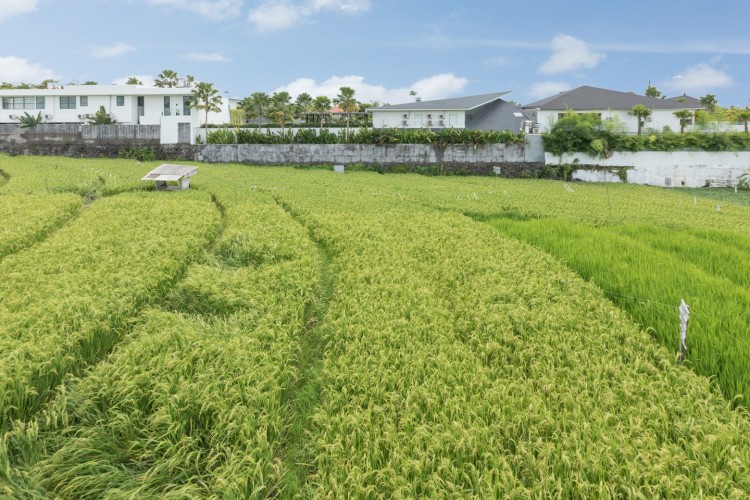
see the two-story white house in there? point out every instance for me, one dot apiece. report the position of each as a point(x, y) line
point(481, 112)
point(610, 105)
point(127, 104)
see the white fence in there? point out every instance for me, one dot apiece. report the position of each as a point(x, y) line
point(659, 168)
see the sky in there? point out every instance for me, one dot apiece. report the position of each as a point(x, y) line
point(386, 48)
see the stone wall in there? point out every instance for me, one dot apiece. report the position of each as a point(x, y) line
point(368, 154)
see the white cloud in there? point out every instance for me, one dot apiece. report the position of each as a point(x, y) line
point(698, 78)
point(205, 57)
point(147, 80)
point(274, 15)
point(547, 89)
point(116, 50)
point(435, 87)
point(216, 10)
point(12, 8)
point(569, 54)
point(17, 70)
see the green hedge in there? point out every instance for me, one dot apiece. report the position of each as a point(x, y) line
point(588, 134)
point(367, 136)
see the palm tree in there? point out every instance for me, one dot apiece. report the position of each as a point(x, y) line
point(740, 115)
point(346, 101)
point(321, 105)
point(710, 102)
point(205, 96)
point(166, 78)
point(133, 81)
point(640, 112)
point(281, 109)
point(304, 104)
point(256, 106)
point(684, 115)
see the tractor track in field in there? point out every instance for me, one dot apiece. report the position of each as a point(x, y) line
point(304, 394)
point(123, 332)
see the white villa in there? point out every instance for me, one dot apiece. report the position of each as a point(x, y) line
point(482, 112)
point(610, 105)
point(128, 104)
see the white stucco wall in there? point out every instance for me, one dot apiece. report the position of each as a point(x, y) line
point(418, 119)
point(658, 119)
point(659, 168)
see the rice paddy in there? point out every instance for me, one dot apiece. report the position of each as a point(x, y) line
point(278, 332)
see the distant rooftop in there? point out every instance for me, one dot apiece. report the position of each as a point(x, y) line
point(94, 90)
point(585, 97)
point(456, 103)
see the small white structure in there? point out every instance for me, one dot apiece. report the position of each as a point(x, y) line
point(480, 112)
point(171, 173)
point(610, 105)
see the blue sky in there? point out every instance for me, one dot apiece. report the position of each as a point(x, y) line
point(384, 48)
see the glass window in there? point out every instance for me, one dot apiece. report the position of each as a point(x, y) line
point(67, 102)
point(40, 103)
point(167, 110)
point(121, 100)
point(19, 102)
point(84, 101)
point(186, 105)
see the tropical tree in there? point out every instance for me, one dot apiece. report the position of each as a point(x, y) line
point(90, 82)
point(28, 121)
point(205, 96)
point(684, 115)
point(281, 109)
point(101, 117)
point(740, 115)
point(346, 101)
point(255, 106)
point(166, 78)
point(640, 112)
point(304, 105)
point(133, 81)
point(709, 102)
point(652, 91)
point(321, 105)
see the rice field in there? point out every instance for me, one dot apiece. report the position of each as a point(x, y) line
point(279, 332)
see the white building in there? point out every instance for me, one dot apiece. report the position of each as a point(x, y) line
point(127, 104)
point(609, 105)
point(481, 112)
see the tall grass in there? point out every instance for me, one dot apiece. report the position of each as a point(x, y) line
point(649, 283)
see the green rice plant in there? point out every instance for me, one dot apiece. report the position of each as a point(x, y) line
point(649, 283)
point(194, 403)
point(66, 301)
point(27, 219)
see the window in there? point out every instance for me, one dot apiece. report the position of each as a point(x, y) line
point(167, 110)
point(84, 101)
point(67, 102)
point(121, 100)
point(40, 103)
point(20, 102)
point(186, 105)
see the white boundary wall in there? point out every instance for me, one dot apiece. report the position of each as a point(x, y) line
point(659, 168)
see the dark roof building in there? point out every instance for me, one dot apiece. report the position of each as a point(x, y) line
point(593, 98)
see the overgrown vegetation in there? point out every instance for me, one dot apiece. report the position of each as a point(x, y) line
point(367, 136)
point(587, 133)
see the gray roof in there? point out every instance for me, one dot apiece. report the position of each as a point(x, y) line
point(497, 115)
point(687, 100)
point(593, 98)
point(456, 103)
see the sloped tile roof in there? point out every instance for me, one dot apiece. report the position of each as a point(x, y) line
point(456, 103)
point(594, 98)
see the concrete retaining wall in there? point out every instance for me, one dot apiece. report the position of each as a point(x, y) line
point(391, 154)
point(658, 168)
